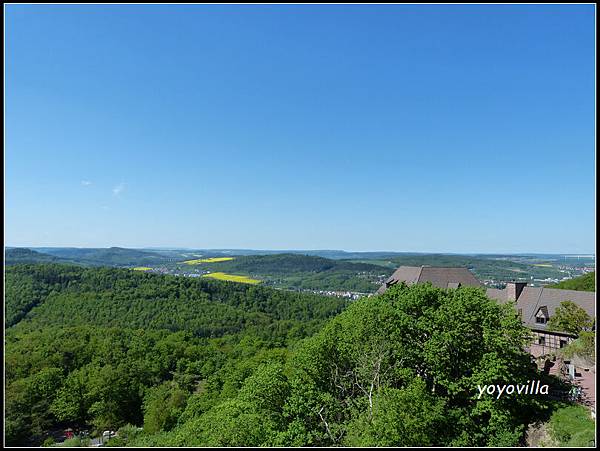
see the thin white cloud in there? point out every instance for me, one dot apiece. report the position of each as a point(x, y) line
point(86, 182)
point(117, 190)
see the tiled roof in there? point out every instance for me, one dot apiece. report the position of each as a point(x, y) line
point(440, 277)
point(497, 294)
point(534, 298)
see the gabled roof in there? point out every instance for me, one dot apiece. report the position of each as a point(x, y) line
point(441, 277)
point(532, 299)
point(543, 311)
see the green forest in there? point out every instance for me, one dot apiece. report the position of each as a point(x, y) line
point(304, 272)
point(112, 256)
point(179, 361)
point(587, 282)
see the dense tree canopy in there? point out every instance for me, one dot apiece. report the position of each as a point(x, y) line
point(177, 361)
point(70, 295)
point(105, 347)
point(400, 369)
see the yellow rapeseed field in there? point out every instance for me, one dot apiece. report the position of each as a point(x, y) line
point(142, 268)
point(208, 260)
point(231, 277)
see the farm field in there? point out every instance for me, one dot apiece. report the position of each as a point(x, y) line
point(207, 260)
point(141, 268)
point(231, 278)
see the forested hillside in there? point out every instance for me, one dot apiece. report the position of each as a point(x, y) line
point(199, 362)
point(289, 263)
point(71, 295)
point(306, 272)
point(112, 256)
point(24, 255)
point(391, 370)
point(86, 346)
point(587, 282)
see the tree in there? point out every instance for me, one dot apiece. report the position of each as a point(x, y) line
point(163, 406)
point(571, 318)
point(401, 417)
point(405, 354)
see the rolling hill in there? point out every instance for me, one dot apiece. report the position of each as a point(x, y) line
point(305, 272)
point(17, 255)
point(112, 256)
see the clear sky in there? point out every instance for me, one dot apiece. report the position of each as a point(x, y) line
point(405, 128)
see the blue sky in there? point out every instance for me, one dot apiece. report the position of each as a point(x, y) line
point(392, 127)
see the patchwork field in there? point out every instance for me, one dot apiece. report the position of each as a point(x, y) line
point(231, 278)
point(208, 260)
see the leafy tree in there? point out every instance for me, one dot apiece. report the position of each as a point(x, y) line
point(362, 366)
point(232, 423)
point(569, 317)
point(163, 406)
point(401, 417)
point(71, 403)
point(252, 418)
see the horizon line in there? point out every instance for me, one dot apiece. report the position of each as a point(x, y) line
point(568, 254)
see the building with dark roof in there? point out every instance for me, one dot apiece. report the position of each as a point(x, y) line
point(440, 277)
point(536, 305)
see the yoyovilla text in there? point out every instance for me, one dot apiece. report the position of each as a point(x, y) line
point(530, 388)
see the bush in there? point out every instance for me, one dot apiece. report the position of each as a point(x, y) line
point(75, 442)
point(583, 347)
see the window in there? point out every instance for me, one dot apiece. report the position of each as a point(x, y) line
point(563, 343)
point(540, 319)
point(541, 341)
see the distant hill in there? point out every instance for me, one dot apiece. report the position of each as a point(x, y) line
point(114, 297)
point(483, 267)
point(17, 255)
point(331, 254)
point(290, 263)
point(587, 282)
point(298, 271)
point(112, 256)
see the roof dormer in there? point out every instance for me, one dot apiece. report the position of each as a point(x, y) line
point(542, 316)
